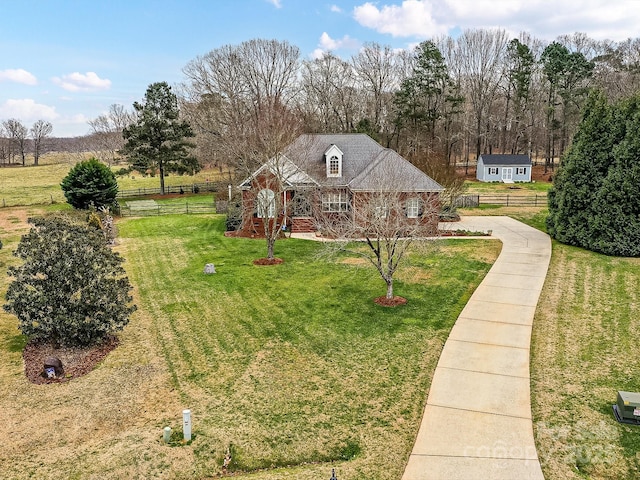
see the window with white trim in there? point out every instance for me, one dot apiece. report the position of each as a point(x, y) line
point(334, 166)
point(335, 202)
point(521, 171)
point(413, 208)
point(492, 170)
point(333, 157)
point(380, 211)
point(266, 203)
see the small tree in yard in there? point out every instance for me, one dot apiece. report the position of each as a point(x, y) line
point(71, 288)
point(90, 183)
point(387, 219)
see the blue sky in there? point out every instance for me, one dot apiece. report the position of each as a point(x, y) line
point(67, 61)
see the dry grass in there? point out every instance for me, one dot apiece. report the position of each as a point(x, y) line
point(76, 429)
point(585, 349)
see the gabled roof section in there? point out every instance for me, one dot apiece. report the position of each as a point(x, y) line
point(364, 163)
point(333, 148)
point(505, 159)
point(390, 171)
point(290, 173)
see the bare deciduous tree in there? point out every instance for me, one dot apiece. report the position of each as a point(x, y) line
point(17, 134)
point(378, 76)
point(481, 56)
point(330, 94)
point(243, 96)
point(382, 222)
point(105, 139)
point(40, 130)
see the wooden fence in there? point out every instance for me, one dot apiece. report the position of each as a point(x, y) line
point(469, 201)
point(173, 189)
point(167, 209)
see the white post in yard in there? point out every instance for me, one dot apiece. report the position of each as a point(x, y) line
point(229, 192)
point(167, 434)
point(186, 424)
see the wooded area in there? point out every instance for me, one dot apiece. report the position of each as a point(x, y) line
point(450, 99)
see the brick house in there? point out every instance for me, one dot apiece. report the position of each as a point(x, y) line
point(334, 176)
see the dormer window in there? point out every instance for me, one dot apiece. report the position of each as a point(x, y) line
point(334, 166)
point(333, 157)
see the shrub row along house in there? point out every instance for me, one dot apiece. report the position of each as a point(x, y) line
point(342, 185)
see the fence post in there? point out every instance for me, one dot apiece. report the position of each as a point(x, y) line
point(187, 207)
point(507, 199)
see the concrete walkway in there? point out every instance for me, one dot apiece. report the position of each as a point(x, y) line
point(477, 421)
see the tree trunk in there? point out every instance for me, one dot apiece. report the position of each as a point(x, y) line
point(389, 287)
point(270, 244)
point(161, 169)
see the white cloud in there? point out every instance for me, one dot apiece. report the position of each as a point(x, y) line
point(275, 3)
point(19, 76)
point(27, 110)
point(413, 18)
point(335, 8)
point(76, 81)
point(599, 19)
point(327, 43)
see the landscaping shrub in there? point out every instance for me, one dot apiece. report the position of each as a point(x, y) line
point(90, 183)
point(234, 216)
point(71, 288)
point(595, 199)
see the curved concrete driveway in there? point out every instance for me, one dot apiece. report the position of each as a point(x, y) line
point(477, 421)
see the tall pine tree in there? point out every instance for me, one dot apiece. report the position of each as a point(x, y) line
point(157, 140)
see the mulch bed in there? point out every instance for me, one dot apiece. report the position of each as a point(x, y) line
point(268, 261)
point(390, 302)
point(76, 361)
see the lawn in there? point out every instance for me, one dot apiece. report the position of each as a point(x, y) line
point(292, 368)
point(585, 349)
point(40, 185)
point(295, 370)
point(496, 188)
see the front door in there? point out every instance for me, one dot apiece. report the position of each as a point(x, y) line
point(507, 174)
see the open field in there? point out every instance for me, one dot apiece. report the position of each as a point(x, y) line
point(291, 366)
point(40, 185)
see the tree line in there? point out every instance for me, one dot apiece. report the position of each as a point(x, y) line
point(17, 140)
point(446, 101)
point(449, 98)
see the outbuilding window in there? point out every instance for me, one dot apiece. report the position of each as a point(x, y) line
point(521, 171)
point(493, 170)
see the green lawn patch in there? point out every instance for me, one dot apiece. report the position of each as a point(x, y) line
point(495, 188)
point(293, 366)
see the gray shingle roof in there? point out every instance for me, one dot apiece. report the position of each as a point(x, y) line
point(364, 165)
point(506, 159)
